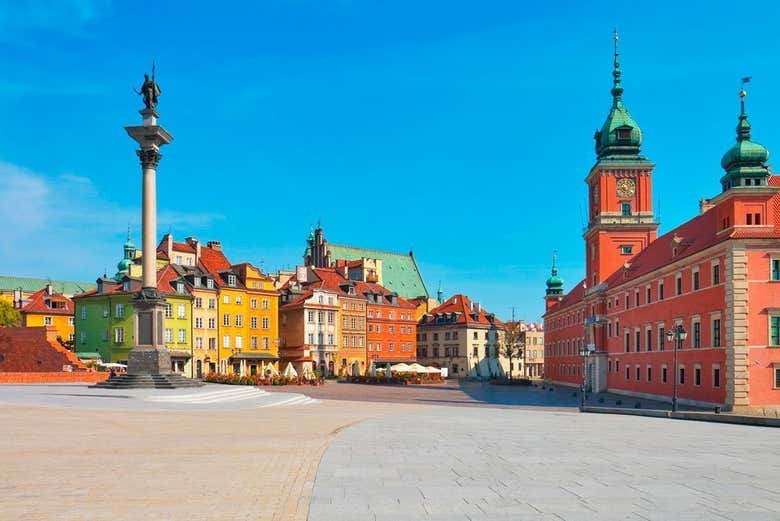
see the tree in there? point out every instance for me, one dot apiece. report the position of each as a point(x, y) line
point(514, 344)
point(9, 317)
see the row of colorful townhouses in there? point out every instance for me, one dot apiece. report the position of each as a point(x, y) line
point(705, 295)
point(342, 311)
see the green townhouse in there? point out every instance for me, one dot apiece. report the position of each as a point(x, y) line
point(105, 319)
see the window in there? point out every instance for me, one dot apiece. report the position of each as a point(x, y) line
point(697, 375)
point(106, 311)
point(179, 287)
point(226, 299)
point(311, 338)
point(649, 344)
point(265, 342)
point(625, 209)
point(695, 280)
point(212, 303)
point(628, 342)
point(716, 376)
point(226, 319)
point(716, 332)
point(681, 379)
point(637, 338)
point(210, 283)
point(637, 371)
point(660, 291)
point(649, 374)
point(239, 342)
point(212, 343)
point(47, 321)
point(678, 282)
point(119, 335)
point(775, 269)
point(265, 322)
point(661, 338)
point(239, 320)
point(120, 310)
point(331, 317)
point(182, 311)
point(83, 337)
point(749, 217)
point(198, 301)
point(716, 274)
point(253, 342)
point(310, 317)
point(265, 303)
point(83, 312)
point(628, 373)
point(182, 335)
point(253, 322)
point(212, 323)
point(774, 330)
point(777, 377)
point(696, 334)
point(321, 317)
point(231, 280)
point(647, 295)
point(198, 323)
point(238, 299)
point(663, 374)
point(253, 303)
point(624, 134)
point(70, 321)
point(168, 334)
point(626, 249)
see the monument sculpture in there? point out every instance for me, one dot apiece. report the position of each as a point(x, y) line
point(149, 362)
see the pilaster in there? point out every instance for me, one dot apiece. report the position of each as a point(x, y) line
point(736, 320)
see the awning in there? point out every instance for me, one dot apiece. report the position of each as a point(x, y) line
point(87, 354)
point(254, 355)
point(179, 354)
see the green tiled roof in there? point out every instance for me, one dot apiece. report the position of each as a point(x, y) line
point(399, 272)
point(31, 285)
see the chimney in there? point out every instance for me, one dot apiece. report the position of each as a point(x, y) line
point(168, 245)
point(195, 243)
point(214, 245)
point(49, 289)
point(300, 273)
point(705, 205)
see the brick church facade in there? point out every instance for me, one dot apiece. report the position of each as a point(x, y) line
point(716, 278)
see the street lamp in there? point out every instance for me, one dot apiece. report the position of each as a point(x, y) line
point(678, 334)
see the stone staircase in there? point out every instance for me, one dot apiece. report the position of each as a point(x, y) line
point(148, 381)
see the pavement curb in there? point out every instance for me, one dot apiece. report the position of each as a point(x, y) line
point(757, 421)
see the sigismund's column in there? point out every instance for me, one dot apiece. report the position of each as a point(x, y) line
point(149, 356)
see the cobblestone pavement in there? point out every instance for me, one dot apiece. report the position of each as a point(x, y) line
point(85, 464)
point(470, 394)
point(444, 463)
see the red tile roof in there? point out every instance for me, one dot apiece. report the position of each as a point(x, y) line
point(214, 261)
point(40, 302)
point(34, 349)
point(468, 311)
point(183, 247)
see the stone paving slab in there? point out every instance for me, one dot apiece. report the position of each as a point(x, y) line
point(467, 463)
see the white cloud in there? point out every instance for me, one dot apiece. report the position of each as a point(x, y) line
point(63, 227)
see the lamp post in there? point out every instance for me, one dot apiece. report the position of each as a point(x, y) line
point(678, 334)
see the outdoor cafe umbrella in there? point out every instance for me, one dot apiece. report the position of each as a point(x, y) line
point(400, 368)
point(290, 371)
point(417, 368)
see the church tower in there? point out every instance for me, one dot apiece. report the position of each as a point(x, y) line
point(621, 221)
point(554, 292)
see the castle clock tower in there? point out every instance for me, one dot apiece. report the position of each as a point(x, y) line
point(621, 221)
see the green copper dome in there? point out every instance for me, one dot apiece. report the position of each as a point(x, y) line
point(554, 283)
point(745, 162)
point(620, 137)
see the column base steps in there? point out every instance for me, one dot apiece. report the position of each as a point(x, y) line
point(148, 381)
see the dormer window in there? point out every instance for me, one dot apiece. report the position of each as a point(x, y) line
point(196, 280)
point(231, 280)
point(627, 249)
point(210, 283)
point(126, 285)
point(179, 287)
point(624, 134)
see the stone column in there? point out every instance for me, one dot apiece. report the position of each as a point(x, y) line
point(149, 356)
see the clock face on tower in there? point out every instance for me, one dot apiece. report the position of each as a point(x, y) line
point(626, 187)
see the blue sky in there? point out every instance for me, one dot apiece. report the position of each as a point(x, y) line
point(461, 130)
